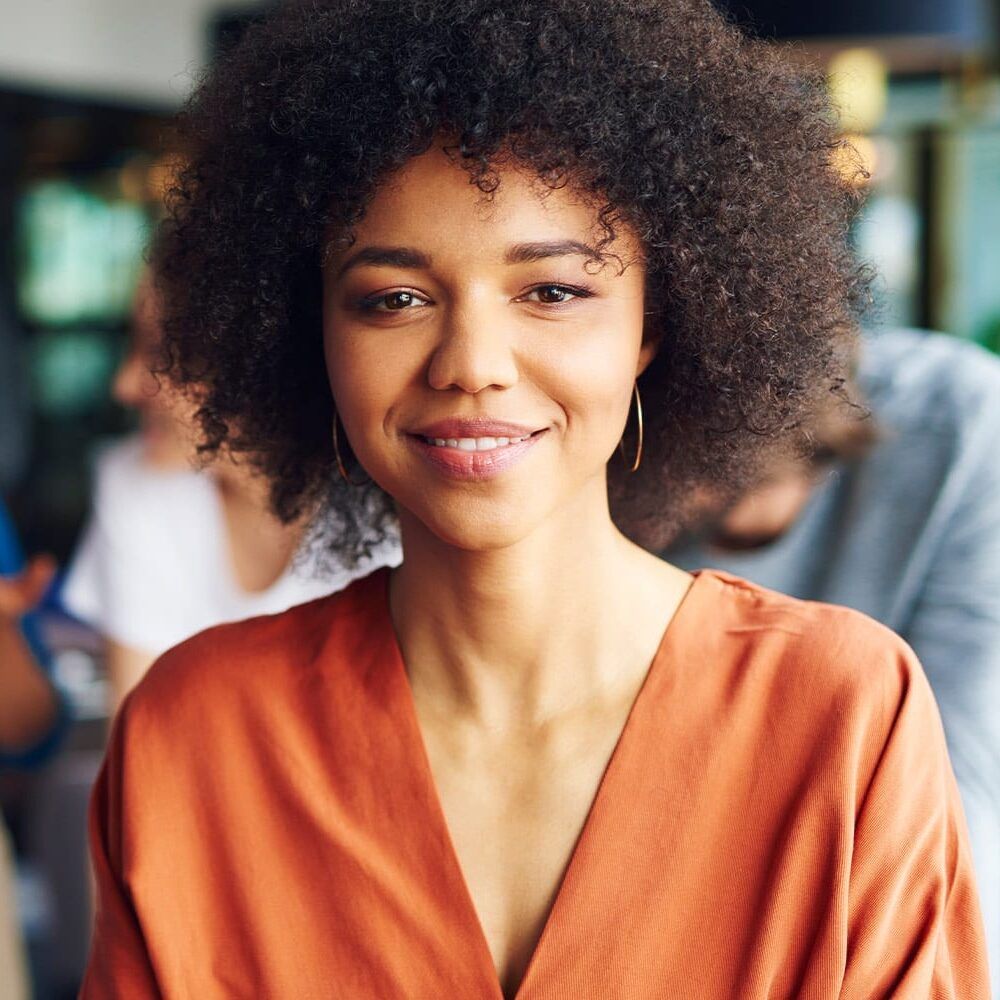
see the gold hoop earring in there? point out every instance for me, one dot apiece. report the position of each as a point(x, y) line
point(621, 444)
point(336, 452)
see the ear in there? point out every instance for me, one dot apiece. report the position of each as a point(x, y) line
point(646, 354)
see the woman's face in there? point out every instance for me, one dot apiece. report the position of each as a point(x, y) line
point(482, 365)
point(167, 418)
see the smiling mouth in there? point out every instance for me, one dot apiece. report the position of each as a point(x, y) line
point(475, 458)
point(476, 443)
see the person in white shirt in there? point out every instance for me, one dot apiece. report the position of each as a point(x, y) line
point(170, 550)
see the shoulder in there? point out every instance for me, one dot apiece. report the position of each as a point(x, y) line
point(930, 379)
point(936, 400)
point(119, 464)
point(255, 665)
point(820, 663)
point(126, 489)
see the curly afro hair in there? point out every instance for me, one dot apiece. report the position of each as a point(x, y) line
point(716, 151)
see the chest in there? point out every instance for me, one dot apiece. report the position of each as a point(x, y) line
point(514, 809)
point(366, 853)
point(493, 884)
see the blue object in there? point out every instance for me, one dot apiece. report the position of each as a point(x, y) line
point(12, 561)
point(966, 21)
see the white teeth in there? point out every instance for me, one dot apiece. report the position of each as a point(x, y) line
point(475, 444)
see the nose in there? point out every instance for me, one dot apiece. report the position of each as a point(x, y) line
point(475, 351)
point(133, 385)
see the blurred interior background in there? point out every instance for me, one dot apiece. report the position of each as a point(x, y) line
point(87, 88)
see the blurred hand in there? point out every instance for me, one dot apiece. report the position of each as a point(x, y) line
point(23, 591)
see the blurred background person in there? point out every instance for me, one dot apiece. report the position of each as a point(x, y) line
point(899, 516)
point(169, 549)
point(33, 717)
point(86, 90)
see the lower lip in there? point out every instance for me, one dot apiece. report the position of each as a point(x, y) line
point(474, 466)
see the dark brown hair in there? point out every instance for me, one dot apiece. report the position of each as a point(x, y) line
point(715, 150)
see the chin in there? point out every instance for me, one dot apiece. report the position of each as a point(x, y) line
point(476, 526)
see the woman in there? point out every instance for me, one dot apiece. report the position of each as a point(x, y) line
point(170, 550)
point(534, 760)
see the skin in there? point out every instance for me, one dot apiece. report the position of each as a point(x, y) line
point(166, 417)
point(28, 707)
point(510, 605)
point(768, 512)
point(259, 546)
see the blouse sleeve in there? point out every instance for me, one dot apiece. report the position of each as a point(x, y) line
point(913, 922)
point(119, 967)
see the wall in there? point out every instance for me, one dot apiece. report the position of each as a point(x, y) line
point(138, 51)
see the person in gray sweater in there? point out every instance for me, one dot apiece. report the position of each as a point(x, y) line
point(900, 518)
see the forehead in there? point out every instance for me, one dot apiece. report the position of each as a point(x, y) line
point(432, 204)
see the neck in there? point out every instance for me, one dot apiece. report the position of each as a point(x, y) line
point(260, 546)
point(518, 634)
point(239, 484)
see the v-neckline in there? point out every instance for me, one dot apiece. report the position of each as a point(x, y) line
point(601, 805)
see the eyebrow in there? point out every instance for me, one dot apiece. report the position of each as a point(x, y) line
point(385, 257)
point(519, 253)
point(525, 253)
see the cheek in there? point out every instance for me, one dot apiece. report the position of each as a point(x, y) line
point(367, 378)
point(592, 382)
point(148, 389)
point(596, 407)
point(173, 403)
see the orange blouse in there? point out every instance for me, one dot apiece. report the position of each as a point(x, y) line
point(778, 819)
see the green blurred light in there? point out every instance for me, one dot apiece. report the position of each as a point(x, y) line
point(80, 254)
point(71, 371)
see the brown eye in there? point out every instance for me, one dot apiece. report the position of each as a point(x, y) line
point(554, 295)
point(392, 302)
point(398, 300)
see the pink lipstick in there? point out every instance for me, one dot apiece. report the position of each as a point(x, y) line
point(474, 449)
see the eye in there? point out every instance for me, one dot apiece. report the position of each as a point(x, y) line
point(556, 294)
point(397, 301)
